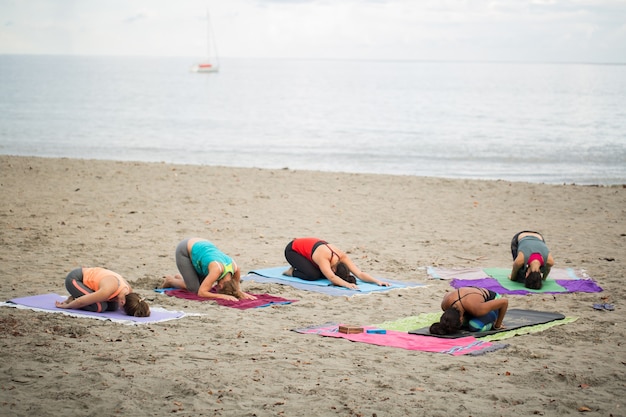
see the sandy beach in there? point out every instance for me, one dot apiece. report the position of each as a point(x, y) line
point(58, 214)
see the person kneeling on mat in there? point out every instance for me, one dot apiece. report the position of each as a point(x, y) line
point(470, 308)
point(532, 259)
point(312, 259)
point(99, 290)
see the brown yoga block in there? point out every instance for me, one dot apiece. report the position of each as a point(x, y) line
point(350, 329)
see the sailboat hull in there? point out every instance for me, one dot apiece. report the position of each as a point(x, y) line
point(205, 68)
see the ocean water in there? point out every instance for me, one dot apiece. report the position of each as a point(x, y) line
point(547, 123)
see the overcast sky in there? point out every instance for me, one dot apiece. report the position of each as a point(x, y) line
point(509, 30)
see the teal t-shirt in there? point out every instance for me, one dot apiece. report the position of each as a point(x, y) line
point(205, 252)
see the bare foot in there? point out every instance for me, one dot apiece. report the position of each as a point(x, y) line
point(288, 272)
point(169, 281)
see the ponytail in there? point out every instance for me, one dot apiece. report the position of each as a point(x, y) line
point(136, 305)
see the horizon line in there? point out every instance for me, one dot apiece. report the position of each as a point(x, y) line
point(398, 60)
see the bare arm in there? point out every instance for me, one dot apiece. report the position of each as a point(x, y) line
point(501, 304)
point(237, 280)
point(518, 263)
point(108, 286)
point(205, 288)
point(363, 276)
point(85, 300)
point(324, 266)
point(548, 266)
point(322, 257)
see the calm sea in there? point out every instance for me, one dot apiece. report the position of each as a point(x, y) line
point(551, 123)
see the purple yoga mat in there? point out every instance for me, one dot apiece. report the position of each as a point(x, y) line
point(570, 285)
point(45, 302)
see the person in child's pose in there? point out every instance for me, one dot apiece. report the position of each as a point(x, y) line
point(98, 289)
point(312, 259)
point(532, 259)
point(203, 266)
point(472, 308)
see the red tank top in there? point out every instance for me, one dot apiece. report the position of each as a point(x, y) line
point(304, 246)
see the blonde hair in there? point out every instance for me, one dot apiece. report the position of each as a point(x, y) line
point(136, 306)
point(231, 287)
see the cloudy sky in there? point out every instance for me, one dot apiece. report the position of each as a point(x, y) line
point(509, 30)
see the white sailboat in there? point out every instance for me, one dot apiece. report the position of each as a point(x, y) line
point(212, 63)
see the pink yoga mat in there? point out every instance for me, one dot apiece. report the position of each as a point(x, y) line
point(391, 338)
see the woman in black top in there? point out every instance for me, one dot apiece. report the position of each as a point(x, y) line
point(473, 308)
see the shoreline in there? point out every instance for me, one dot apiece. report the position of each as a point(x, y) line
point(59, 213)
point(618, 183)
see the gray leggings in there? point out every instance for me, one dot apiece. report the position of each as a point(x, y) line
point(186, 269)
point(75, 286)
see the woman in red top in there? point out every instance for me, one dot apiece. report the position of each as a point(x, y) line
point(312, 259)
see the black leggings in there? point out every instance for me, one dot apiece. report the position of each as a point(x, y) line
point(303, 268)
point(515, 242)
point(75, 286)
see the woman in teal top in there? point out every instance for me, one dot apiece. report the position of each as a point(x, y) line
point(203, 266)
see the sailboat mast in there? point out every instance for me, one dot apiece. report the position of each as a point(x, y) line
point(211, 39)
point(211, 64)
point(208, 35)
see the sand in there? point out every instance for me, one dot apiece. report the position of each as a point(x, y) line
point(57, 214)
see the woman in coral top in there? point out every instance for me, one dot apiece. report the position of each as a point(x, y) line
point(98, 289)
point(312, 259)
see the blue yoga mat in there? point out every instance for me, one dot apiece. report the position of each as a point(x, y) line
point(275, 275)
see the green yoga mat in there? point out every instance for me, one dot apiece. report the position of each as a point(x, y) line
point(502, 276)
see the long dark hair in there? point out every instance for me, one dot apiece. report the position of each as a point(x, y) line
point(534, 281)
point(343, 272)
point(449, 323)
